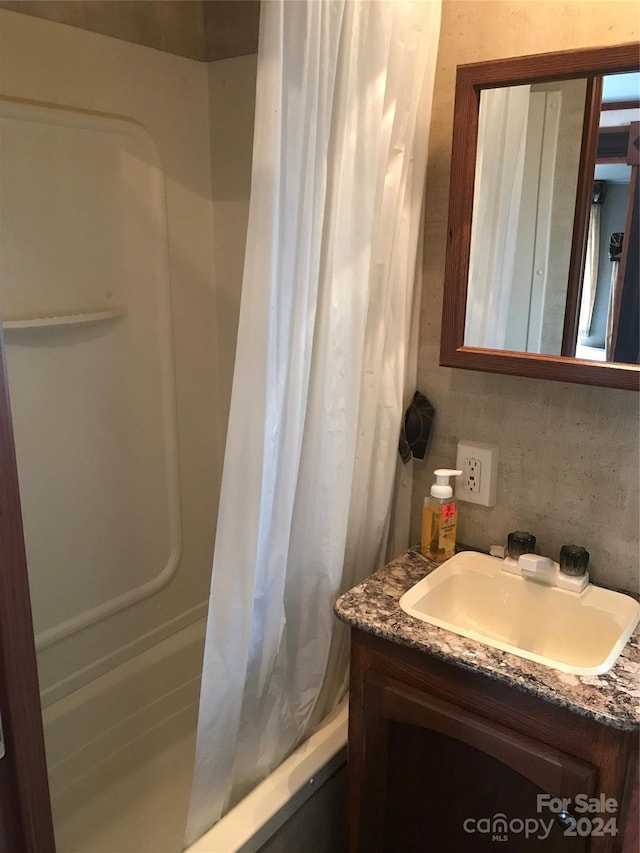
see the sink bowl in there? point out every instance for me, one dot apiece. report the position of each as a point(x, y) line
point(581, 633)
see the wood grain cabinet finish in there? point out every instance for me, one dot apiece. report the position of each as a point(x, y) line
point(446, 760)
point(25, 811)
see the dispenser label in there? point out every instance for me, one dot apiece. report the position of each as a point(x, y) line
point(448, 511)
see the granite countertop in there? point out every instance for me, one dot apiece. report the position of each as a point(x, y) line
point(612, 698)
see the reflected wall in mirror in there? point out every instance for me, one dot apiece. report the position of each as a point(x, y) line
point(542, 262)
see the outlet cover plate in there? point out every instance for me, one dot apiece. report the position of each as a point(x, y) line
point(487, 456)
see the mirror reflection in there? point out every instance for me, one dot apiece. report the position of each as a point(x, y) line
point(528, 170)
point(608, 323)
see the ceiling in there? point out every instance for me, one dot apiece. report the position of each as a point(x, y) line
point(199, 29)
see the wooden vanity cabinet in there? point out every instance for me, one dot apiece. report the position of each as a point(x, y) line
point(432, 745)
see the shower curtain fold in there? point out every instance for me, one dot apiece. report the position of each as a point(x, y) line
point(342, 110)
point(497, 197)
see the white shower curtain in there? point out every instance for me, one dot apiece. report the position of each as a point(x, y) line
point(502, 137)
point(343, 100)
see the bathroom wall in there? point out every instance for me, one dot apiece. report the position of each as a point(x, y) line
point(232, 85)
point(568, 454)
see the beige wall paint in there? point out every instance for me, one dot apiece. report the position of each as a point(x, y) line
point(568, 468)
point(232, 94)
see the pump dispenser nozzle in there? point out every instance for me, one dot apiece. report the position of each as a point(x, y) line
point(441, 487)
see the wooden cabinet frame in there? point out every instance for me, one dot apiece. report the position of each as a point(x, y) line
point(25, 811)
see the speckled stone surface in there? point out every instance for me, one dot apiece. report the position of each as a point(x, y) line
point(612, 698)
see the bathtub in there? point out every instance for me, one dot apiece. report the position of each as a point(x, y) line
point(262, 813)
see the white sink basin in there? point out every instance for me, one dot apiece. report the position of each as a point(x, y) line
point(582, 633)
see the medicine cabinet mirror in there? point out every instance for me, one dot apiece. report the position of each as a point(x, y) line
point(542, 268)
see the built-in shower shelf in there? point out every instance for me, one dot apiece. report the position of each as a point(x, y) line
point(61, 321)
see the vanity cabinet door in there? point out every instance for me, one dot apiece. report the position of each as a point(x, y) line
point(455, 782)
point(445, 761)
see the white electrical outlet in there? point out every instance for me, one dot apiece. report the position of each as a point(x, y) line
point(479, 465)
point(471, 473)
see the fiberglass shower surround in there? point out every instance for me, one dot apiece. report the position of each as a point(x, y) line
point(107, 296)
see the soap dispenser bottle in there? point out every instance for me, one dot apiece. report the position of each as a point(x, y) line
point(440, 518)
